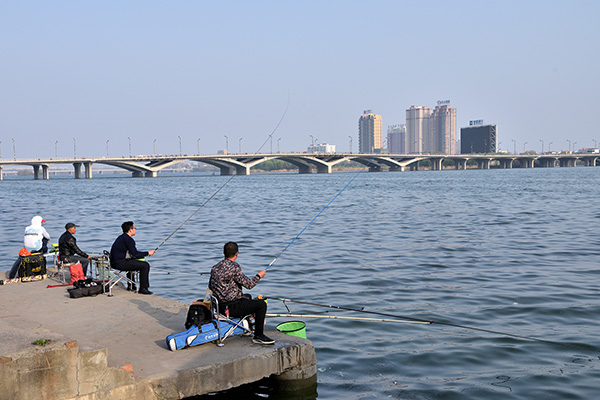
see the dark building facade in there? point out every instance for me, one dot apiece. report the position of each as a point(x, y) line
point(478, 139)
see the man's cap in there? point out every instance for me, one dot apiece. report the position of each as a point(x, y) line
point(71, 225)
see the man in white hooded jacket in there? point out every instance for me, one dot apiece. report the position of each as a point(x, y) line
point(35, 240)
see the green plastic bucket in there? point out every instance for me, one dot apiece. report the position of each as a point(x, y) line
point(293, 328)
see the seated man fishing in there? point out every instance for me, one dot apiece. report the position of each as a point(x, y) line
point(35, 240)
point(226, 281)
point(68, 250)
point(124, 256)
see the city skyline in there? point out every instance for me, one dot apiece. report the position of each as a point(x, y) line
point(144, 77)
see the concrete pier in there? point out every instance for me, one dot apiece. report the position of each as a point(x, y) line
point(114, 348)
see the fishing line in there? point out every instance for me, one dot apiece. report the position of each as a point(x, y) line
point(230, 179)
point(320, 212)
point(431, 322)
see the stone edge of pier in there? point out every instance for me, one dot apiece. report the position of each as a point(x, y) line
point(64, 371)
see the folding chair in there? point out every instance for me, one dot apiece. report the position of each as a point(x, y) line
point(116, 275)
point(243, 322)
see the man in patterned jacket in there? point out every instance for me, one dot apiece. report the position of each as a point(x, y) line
point(226, 281)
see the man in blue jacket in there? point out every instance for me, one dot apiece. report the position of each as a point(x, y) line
point(124, 256)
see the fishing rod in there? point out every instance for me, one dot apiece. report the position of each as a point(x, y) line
point(430, 322)
point(320, 212)
point(347, 318)
point(229, 180)
point(178, 271)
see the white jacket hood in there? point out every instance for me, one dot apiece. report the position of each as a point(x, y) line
point(36, 221)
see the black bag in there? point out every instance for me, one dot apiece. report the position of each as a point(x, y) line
point(85, 287)
point(198, 315)
point(34, 264)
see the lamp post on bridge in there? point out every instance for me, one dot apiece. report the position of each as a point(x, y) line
point(154, 146)
point(180, 152)
point(129, 145)
point(514, 146)
point(350, 145)
point(312, 140)
point(14, 150)
point(240, 146)
point(574, 143)
point(278, 140)
point(549, 144)
point(226, 144)
point(569, 144)
point(107, 147)
point(198, 143)
point(595, 143)
point(499, 148)
point(542, 146)
point(56, 149)
point(74, 148)
point(524, 144)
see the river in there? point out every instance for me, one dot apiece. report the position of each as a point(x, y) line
point(514, 251)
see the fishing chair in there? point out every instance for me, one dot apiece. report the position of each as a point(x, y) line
point(243, 322)
point(113, 276)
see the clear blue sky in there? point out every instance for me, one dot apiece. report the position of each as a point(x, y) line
point(156, 70)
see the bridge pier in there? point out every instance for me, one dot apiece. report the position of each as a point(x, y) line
point(88, 170)
point(304, 169)
point(77, 168)
point(374, 168)
point(1, 176)
point(242, 170)
point(527, 163)
point(36, 172)
point(460, 164)
point(415, 166)
point(506, 164)
point(483, 164)
point(397, 169)
point(436, 164)
point(323, 169)
point(137, 174)
point(226, 170)
point(150, 174)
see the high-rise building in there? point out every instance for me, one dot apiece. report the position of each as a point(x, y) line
point(396, 135)
point(370, 132)
point(431, 131)
point(478, 138)
point(443, 130)
point(417, 129)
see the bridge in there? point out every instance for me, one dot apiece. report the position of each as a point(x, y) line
point(240, 164)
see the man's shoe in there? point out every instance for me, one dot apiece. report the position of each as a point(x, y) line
point(144, 291)
point(262, 339)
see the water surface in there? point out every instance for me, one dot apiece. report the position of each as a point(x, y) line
point(514, 251)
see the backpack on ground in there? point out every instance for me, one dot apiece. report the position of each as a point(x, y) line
point(198, 314)
point(34, 264)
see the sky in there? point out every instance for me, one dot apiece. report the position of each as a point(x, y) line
point(77, 77)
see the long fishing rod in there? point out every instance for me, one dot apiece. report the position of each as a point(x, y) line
point(177, 271)
point(347, 318)
point(317, 216)
point(229, 180)
point(429, 322)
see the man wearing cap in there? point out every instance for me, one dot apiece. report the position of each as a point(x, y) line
point(68, 250)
